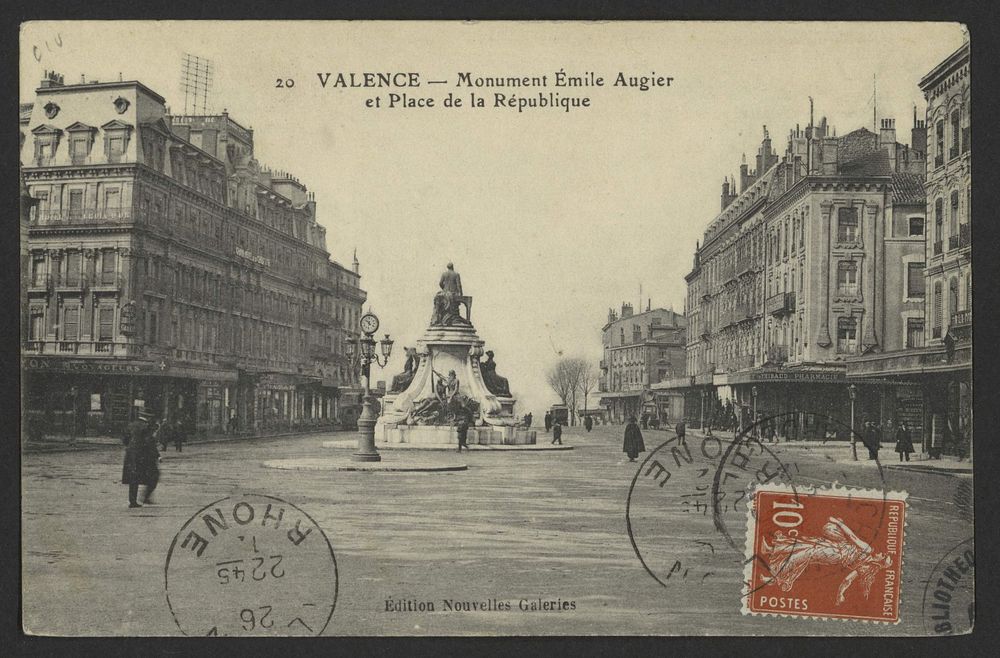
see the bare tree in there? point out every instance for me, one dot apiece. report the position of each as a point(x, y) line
point(568, 377)
point(588, 381)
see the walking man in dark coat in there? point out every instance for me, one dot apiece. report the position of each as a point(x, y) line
point(633, 440)
point(871, 440)
point(904, 441)
point(588, 423)
point(556, 432)
point(681, 429)
point(141, 459)
point(527, 420)
point(548, 421)
point(463, 434)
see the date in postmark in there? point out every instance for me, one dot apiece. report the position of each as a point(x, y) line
point(251, 565)
point(831, 553)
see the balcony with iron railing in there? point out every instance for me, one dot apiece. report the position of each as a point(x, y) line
point(964, 235)
point(83, 348)
point(777, 354)
point(66, 216)
point(961, 319)
point(783, 302)
point(938, 248)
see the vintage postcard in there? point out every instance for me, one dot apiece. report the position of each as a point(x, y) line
point(338, 328)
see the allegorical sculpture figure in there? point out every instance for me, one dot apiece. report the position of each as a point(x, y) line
point(447, 406)
point(496, 384)
point(448, 299)
point(403, 379)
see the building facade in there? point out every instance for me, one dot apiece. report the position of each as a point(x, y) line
point(167, 269)
point(790, 281)
point(642, 350)
point(936, 365)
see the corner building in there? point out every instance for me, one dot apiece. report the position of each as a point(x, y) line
point(936, 365)
point(167, 269)
point(787, 283)
point(642, 351)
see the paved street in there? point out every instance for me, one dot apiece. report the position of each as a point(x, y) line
point(515, 525)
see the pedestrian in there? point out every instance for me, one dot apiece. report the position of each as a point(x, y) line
point(548, 421)
point(528, 419)
point(463, 434)
point(177, 434)
point(681, 429)
point(141, 464)
point(556, 432)
point(904, 441)
point(588, 423)
point(163, 433)
point(645, 421)
point(232, 420)
point(870, 439)
point(633, 444)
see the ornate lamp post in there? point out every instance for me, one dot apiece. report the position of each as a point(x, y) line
point(363, 350)
point(753, 393)
point(852, 392)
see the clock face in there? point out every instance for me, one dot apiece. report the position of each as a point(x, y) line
point(369, 323)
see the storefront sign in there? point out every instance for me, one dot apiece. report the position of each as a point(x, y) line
point(249, 255)
point(96, 367)
point(825, 377)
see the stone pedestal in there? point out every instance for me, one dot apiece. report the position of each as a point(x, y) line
point(441, 350)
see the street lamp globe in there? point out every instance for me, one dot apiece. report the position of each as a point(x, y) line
point(350, 347)
point(386, 347)
point(367, 346)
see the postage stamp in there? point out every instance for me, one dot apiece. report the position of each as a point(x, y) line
point(828, 553)
point(251, 565)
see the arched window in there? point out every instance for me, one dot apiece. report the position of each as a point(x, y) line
point(956, 134)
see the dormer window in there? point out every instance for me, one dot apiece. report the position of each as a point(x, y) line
point(116, 138)
point(81, 141)
point(46, 144)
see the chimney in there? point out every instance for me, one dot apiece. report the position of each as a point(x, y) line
point(887, 139)
point(356, 266)
point(626, 310)
point(51, 79)
point(727, 195)
point(918, 135)
point(830, 155)
point(746, 176)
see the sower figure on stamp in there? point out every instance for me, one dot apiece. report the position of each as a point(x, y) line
point(633, 440)
point(141, 458)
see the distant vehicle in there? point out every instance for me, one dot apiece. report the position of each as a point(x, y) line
point(560, 412)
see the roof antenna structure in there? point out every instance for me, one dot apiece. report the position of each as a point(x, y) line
point(196, 81)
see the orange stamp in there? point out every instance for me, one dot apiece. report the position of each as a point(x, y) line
point(832, 553)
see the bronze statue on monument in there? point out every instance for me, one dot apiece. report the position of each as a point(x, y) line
point(448, 299)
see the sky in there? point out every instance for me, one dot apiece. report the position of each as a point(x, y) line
point(550, 217)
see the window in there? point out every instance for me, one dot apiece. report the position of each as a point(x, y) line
point(968, 292)
point(106, 320)
point(847, 277)
point(939, 152)
point(914, 332)
point(116, 148)
point(847, 225)
point(73, 262)
point(938, 221)
point(108, 266)
point(952, 297)
point(71, 323)
point(36, 323)
point(953, 221)
point(916, 226)
point(936, 312)
point(847, 335)
point(79, 147)
point(956, 134)
point(153, 327)
point(914, 280)
point(75, 204)
point(38, 270)
point(112, 199)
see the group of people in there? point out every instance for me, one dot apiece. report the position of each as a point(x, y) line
point(142, 457)
point(872, 434)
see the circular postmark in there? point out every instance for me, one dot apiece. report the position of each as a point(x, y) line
point(254, 565)
point(949, 597)
point(687, 500)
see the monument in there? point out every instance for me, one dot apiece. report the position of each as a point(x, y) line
point(445, 382)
